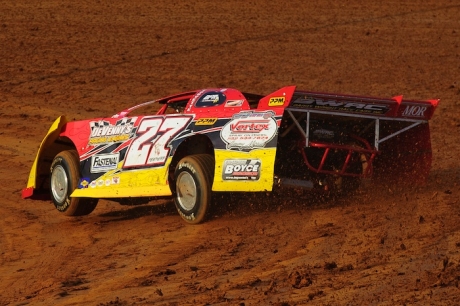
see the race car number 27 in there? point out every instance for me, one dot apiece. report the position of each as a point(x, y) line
point(150, 148)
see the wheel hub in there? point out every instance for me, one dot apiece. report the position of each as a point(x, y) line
point(186, 191)
point(59, 184)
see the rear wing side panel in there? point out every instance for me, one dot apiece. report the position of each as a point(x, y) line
point(395, 107)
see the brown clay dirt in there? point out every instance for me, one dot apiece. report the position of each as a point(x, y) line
point(84, 59)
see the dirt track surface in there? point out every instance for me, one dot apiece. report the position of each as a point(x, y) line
point(385, 245)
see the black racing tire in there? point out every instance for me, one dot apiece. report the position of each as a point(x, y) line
point(193, 179)
point(64, 179)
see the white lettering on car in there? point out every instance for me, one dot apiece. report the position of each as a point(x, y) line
point(151, 145)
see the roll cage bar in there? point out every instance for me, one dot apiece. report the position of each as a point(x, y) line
point(377, 139)
point(367, 151)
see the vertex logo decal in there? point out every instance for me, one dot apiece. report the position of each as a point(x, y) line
point(276, 101)
point(250, 126)
point(104, 162)
point(103, 132)
point(249, 130)
point(241, 170)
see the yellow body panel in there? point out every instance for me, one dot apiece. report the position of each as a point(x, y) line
point(265, 182)
point(128, 183)
point(51, 136)
point(153, 181)
point(115, 192)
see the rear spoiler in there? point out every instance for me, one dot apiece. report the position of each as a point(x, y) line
point(359, 106)
point(395, 132)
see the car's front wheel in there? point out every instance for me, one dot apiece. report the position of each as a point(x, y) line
point(193, 185)
point(65, 176)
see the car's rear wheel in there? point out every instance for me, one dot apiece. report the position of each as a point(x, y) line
point(193, 187)
point(65, 176)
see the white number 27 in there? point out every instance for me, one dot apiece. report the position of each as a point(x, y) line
point(150, 148)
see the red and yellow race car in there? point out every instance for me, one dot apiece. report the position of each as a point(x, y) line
point(193, 144)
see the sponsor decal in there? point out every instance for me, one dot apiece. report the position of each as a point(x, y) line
point(249, 130)
point(234, 103)
point(103, 132)
point(104, 162)
point(355, 107)
point(84, 183)
point(414, 111)
point(151, 146)
point(276, 101)
point(323, 134)
point(107, 182)
point(206, 121)
point(241, 169)
point(211, 98)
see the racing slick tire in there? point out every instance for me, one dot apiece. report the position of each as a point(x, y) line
point(65, 176)
point(193, 187)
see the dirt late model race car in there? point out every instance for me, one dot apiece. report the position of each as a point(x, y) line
point(193, 144)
